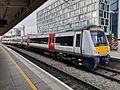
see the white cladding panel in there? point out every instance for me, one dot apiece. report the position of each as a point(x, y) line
point(64, 48)
point(44, 46)
point(87, 44)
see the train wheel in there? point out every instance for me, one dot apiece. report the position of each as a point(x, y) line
point(78, 62)
point(59, 56)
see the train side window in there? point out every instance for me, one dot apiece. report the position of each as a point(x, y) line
point(39, 40)
point(78, 40)
point(65, 41)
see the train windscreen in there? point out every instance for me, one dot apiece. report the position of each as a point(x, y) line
point(98, 38)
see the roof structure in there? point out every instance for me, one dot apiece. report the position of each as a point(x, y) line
point(15, 11)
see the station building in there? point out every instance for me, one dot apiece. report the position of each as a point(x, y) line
point(114, 17)
point(119, 26)
point(115, 20)
point(63, 15)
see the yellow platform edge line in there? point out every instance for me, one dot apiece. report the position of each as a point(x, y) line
point(23, 74)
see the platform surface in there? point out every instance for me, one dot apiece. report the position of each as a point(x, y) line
point(115, 54)
point(17, 73)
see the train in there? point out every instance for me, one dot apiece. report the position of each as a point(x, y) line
point(87, 46)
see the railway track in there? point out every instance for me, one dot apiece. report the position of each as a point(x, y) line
point(71, 81)
point(114, 64)
point(115, 60)
point(108, 73)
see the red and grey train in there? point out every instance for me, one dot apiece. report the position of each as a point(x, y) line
point(87, 46)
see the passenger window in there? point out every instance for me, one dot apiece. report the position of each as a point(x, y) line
point(78, 40)
point(39, 40)
point(65, 41)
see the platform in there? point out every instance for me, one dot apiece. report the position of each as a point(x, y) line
point(115, 54)
point(18, 73)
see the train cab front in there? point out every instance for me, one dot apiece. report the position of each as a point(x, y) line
point(101, 45)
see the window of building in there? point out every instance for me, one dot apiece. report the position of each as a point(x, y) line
point(84, 9)
point(54, 29)
point(102, 6)
point(67, 26)
point(88, 22)
point(107, 22)
point(106, 1)
point(76, 24)
point(74, 6)
point(105, 29)
point(105, 15)
point(80, 17)
point(94, 0)
point(94, 14)
point(85, 22)
point(88, 1)
point(61, 27)
point(80, 4)
point(107, 7)
point(89, 8)
point(101, 13)
point(83, 4)
point(72, 13)
point(102, 21)
point(77, 5)
point(92, 7)
point(76, 12)
point(80, 10)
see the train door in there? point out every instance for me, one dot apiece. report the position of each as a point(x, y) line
point(28, 40)
point(77, 42)
point(51, 45)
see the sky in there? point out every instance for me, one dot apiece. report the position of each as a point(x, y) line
point(30, 21)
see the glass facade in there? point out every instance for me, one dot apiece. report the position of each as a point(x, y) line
point(104, 15)
point(61, 16)
point(114, 17)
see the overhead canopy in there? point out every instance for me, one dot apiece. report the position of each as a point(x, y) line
point(16, 10)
